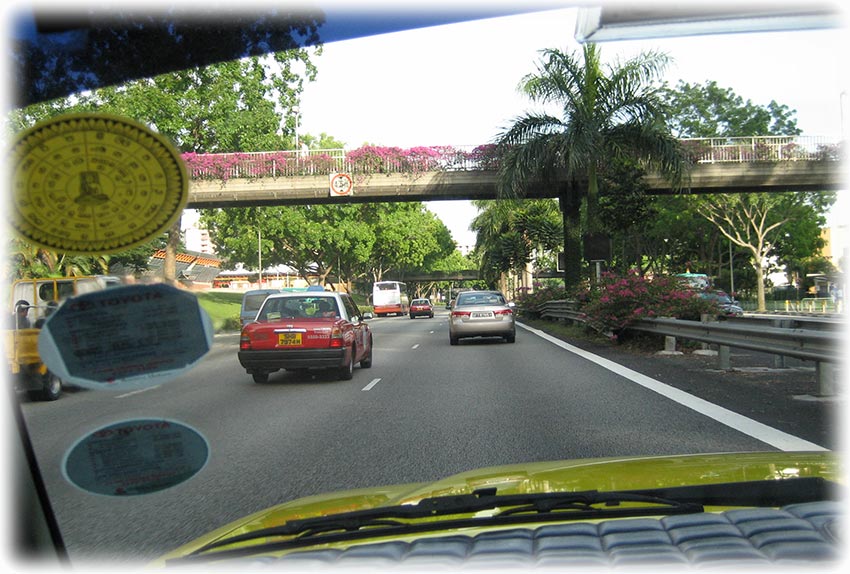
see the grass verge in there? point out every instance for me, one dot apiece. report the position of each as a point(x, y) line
point(223, 308)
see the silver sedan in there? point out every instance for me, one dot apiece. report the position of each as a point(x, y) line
point(482, 314)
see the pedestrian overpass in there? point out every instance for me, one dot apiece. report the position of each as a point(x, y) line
point(720, 165)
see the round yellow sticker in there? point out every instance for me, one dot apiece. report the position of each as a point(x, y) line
point(95, 183)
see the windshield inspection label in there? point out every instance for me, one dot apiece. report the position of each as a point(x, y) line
point(125, 338)
point(135, 457)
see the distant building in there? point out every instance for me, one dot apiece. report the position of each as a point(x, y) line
point(836, 247)
point(195, 270)
point(198, 240)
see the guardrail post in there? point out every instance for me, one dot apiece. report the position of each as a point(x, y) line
point(779, 360)
point(724, 356)
point(669, 346)
point(705, 348)
point(826, 378)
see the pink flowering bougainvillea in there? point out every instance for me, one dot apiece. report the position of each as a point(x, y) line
point(621, 299)
point(617, 300)
point(364, 160)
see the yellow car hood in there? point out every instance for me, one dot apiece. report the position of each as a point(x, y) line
point(603, 474)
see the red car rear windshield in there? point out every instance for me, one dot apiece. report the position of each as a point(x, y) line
point(280, 308)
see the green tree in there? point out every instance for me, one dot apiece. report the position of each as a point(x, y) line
point(707, 110)
point(510, 234)
point(238, 105)
point(711, 111)
point(409, 238)
point(604, 114)
point(28, 261)
point(754, 221)
point(353, 241)
point(323, 141)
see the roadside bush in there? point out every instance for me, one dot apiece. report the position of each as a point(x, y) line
point(527, 303)
point(619, 300)
point(231, 324)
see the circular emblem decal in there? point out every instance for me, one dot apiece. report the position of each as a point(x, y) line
point(95, 183)
point(135, 457)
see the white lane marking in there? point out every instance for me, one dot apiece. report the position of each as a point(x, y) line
point(131, 393)
point(774, 437)
point(416, 346)
point(370, 385)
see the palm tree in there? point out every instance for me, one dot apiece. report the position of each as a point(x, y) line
point(509, 232)
point(619, 113)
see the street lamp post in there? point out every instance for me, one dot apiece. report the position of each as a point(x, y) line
point(297, 117)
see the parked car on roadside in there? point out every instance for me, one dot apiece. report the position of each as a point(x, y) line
point(421, 308)
point(727, 306)
point(482, 314)
point(251, 302)
point(301, 331)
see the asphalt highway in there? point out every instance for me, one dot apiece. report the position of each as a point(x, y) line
point(423, 411)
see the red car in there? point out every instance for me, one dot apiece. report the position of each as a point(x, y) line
point(421, 307)
point(301, 331)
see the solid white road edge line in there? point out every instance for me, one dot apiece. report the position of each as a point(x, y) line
point(774, 437)
point(370, 385)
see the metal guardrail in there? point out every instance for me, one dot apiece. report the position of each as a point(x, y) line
point(807, 344)
point(819, 342)
point(569, 311)
point(811, 343)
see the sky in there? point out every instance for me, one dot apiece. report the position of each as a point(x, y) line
point(457, 84)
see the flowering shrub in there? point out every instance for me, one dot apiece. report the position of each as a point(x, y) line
point(363, 160)
point(621, 299)
point(376, 159)
point(528, 302)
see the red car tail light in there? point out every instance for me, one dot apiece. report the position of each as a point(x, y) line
point(245, 342)
point(337, 339)
point(461, 313)
point(503, 312)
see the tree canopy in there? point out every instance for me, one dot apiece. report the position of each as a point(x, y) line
point(708, 110)
point(603, 113)
point(355, 242)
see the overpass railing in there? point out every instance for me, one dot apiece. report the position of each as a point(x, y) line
point(375, 159)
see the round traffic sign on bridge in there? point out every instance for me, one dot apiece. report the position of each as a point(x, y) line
point(341, 185)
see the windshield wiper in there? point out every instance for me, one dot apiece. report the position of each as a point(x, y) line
point(517, 509)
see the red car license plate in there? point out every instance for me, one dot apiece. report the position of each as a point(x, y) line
point(289, 339)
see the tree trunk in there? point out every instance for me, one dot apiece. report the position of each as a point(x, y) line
point(571, 211)
point(528, 278)
point(762, 305)
point(169, 266)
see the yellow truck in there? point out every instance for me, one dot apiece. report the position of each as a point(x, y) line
point(32, 302)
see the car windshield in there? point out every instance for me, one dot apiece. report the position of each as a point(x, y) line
point(505, 248)
point(277, 308)
point(480, 299)
point(253, 302)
